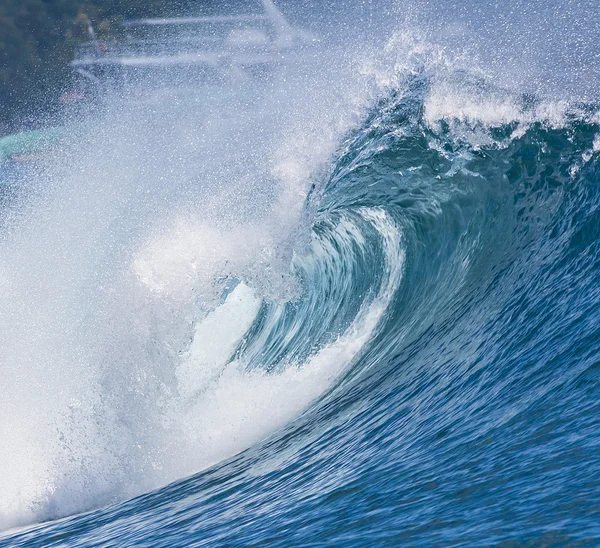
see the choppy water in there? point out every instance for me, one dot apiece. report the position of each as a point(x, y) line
point(360, 312)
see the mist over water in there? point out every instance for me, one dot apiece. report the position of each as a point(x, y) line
point(201, 267)
point(135, 230)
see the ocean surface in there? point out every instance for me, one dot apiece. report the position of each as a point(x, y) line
point(357, 306)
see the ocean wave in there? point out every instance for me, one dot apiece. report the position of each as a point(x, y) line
point(398, 316)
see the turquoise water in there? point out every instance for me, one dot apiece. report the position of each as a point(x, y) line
point(28, 143)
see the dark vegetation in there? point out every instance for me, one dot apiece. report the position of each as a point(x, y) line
point(38, 37)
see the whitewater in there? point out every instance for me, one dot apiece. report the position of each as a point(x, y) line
point(355, 303)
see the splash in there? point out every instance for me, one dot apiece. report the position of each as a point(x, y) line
point(131, 271)
point(187, 276)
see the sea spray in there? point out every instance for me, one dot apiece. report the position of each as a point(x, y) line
point(396, 268)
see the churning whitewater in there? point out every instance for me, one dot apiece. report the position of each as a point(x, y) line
point(363, 311)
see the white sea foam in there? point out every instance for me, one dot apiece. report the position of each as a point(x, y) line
point(232, 407)
point(110, 271)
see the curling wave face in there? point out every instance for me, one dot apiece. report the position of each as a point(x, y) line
point(401, 328)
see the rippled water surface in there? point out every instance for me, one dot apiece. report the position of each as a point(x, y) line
point(364, 311)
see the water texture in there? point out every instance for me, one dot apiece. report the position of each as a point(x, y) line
point(364, 311)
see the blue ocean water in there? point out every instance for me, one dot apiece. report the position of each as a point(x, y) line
point(413, 358)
